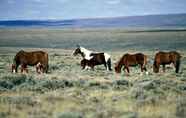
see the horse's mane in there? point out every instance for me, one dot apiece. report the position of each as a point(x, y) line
point(85, 52)
point(84, 49)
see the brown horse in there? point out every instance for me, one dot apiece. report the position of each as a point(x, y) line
point(163, 58)
point(30, 58)
point(85, 62)
point(97, 59)
point(131, 60)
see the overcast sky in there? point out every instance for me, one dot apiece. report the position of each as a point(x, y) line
point(70, 9)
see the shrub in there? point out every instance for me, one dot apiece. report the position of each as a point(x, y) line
point(181, 108)
point(70, 115)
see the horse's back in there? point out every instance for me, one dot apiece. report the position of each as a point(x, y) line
point(133, 59)
point(175, 54)
point(167, 57)
point(32, 58)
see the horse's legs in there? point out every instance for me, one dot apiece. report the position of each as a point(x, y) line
point(83, 67)
point(141, 66)
point(146, 72)
point(163, 67)
point(92, 67)
point(40, 68)
point(144, 68)
point(43, 68)
point(86, 67)
point(105, 64)
point(16, 68)
point(176, 66)
point(127, 69)
point(124, 69)
point(24, 68)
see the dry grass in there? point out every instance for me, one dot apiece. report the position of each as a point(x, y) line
point(69, 92)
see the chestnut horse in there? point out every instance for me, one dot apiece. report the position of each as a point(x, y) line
point(35, 58)
point(131, 60)
point(163, 58)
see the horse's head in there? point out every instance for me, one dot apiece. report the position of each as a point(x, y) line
point(77, 51)
point(13, 68)
point(117, 68)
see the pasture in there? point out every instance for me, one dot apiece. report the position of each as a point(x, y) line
point(69, 92)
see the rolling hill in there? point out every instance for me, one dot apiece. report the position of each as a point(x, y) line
point(169, 20)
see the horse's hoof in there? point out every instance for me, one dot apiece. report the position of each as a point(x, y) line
point(147, 73)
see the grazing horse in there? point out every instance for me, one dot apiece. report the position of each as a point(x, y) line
point(131, 60)
point(163, 58)
point(38, 58)
point(100, 58)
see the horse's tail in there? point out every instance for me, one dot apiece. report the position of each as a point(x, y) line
point(178, 61)
point(109, 64)
point(108, 61)
point(145, 62)
point(46, 63)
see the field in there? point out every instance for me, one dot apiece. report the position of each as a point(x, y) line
point(69, 92)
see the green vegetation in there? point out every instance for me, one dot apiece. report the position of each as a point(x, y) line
point(69, 92)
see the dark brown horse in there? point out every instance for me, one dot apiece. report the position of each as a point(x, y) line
point(164, 58)
point(32, 59)
point(97, 59)
point(131, 60)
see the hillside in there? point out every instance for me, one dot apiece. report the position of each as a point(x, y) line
point(168, 21)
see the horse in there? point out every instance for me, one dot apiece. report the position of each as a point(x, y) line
point(164, 58)
point(24, 58)
point(131, 60)
point(101, 58)
point(96, 60)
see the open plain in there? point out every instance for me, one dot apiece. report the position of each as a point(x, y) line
point(67, 91)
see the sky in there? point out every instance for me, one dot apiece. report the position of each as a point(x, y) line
point(74, 9)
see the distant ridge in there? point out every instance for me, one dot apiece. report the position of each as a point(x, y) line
point(169, 20)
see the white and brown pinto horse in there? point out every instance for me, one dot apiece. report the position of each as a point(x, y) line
point(99, 58)
point(35, 58)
